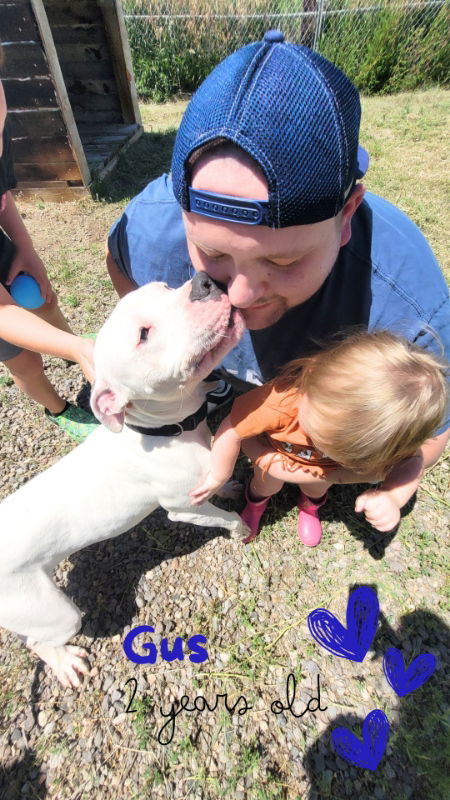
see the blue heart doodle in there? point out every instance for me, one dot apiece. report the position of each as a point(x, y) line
point(403, 681)
point(354, 641)
point(368, 752)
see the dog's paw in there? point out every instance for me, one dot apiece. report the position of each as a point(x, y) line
point(239, 530)
point(231, 490)
point(67, 662)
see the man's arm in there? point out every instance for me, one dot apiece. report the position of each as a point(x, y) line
point(121, 283)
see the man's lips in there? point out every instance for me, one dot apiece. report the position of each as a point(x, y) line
point(259, 306)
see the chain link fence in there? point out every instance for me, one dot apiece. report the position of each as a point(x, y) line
point(382, 45)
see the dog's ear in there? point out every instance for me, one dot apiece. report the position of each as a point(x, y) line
point(108, 405)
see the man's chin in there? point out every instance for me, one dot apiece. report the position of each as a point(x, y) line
point(258, 318)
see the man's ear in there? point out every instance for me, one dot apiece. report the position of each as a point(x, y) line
point(351, 205)
point(108, 405)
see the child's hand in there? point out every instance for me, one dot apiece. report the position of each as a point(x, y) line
point(380, 509)
point(85, 357)
point(29, 261)
point(205, 490)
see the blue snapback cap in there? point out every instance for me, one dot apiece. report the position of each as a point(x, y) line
point(295, 114)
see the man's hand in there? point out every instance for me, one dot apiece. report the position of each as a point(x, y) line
point(380, 509)
point(27, 260)
point(206, 489)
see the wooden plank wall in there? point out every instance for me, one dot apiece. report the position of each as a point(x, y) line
point(41, 147)
point(79, 35)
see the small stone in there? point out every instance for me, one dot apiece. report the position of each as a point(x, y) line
point(108, 681)
point(29, 722)
point(311, 667)
point(49, 727)
point(42, 719)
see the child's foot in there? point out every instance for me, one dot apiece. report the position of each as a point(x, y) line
point(309, 528)
point(252, 514)
point(75, 421)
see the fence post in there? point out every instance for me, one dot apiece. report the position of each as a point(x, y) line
point(320, 16)
point(307, 23)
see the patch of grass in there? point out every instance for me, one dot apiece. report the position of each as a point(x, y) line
point(141, 720)
point(72, 300)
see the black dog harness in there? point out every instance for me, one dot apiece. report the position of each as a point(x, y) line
point(188, 424)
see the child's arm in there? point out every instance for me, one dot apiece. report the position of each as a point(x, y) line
point(224, 453)
point(24, 329)
point(26, 259)
point(382, 506)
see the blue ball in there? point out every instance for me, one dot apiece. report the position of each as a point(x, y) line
point(26, 292)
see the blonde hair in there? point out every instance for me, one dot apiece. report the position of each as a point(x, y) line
point(372, 399)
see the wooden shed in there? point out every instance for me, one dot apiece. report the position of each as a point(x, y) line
point(70, 91)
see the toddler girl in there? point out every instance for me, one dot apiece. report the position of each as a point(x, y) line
point(348, 414)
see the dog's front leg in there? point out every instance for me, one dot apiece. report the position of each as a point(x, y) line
point(67, 662)
point(209, 516)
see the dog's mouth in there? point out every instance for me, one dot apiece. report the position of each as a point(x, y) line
point(224, 339)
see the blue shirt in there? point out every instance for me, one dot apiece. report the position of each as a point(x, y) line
point(386, 277)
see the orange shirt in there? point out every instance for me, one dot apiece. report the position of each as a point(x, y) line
point(272, 410)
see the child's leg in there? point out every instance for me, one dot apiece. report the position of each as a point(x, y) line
point(28, 374)
point(270, 475)
point(51, 313)
point(263, 484)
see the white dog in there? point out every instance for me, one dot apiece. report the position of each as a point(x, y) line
point(151, 357)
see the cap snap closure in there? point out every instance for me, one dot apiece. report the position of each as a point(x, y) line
point(274, 36)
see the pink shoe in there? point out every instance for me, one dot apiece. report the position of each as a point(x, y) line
point(309, 528)
point(252, 514)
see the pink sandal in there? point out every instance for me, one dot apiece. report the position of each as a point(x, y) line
point(309, 528)
point(252, 514)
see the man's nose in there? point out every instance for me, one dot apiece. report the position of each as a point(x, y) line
point(246, 288)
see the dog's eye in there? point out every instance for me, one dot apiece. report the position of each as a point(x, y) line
point(143, 334)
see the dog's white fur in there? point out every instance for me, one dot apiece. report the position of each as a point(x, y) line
point(151, 357)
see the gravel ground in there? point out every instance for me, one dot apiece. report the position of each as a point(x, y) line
point(251, 603)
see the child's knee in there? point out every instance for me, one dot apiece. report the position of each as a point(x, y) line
point(26, 365)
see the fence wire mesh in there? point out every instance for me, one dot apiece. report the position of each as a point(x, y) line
point(383, 45)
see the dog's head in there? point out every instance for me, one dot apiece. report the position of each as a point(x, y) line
point(158, 340)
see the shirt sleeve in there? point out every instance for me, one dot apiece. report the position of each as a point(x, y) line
point(148, 242)
point(435, 337)
point(255, 412)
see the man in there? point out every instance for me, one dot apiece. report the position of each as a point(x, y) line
point(263, 197)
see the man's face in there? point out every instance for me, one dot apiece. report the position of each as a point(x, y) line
point(266, 271)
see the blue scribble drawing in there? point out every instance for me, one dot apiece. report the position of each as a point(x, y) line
point(368, 752)
point(403, 681)
point(354, 641)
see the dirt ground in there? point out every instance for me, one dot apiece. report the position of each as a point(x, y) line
point(252, 604)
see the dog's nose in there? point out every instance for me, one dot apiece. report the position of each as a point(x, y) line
point(204, 288)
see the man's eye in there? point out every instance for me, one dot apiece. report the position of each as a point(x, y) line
point(143, 334)
point(283, 266)
point(212, 256)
